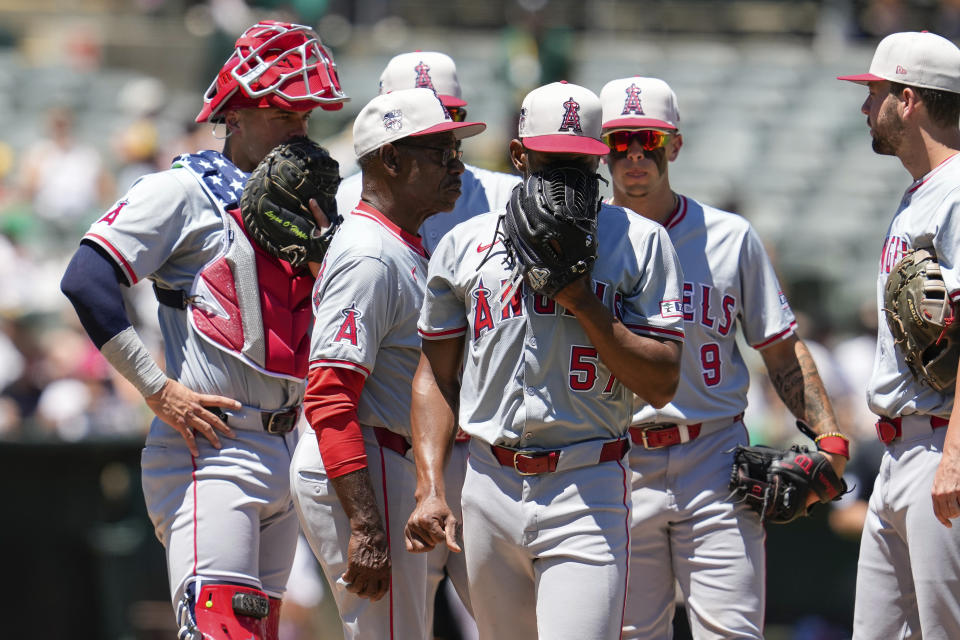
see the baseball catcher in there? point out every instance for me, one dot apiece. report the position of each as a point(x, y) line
point(777, 483)
point(920, 316)
point(550, 228)
point(275, 201)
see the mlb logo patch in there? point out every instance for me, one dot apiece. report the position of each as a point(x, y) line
point(393, 120)
point(671, 309)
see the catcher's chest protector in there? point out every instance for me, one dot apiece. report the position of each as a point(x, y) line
point(254, 306)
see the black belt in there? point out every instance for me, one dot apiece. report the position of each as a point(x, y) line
point(278, 422)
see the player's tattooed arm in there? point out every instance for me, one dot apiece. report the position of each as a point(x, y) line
point(368, 555)
point(433, 416)
point(794, 375)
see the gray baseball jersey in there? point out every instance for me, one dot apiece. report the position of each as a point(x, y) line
point(906, 555)
point(728, 280)
point(683, 528)
point(366, 304)
point(168, 227)
point(481, 190)
point(924, 219)
point(533, 380)
point(544, 384)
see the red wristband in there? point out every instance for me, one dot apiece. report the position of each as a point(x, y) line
point(835, 444)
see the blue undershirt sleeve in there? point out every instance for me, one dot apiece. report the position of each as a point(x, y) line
point(93, 287)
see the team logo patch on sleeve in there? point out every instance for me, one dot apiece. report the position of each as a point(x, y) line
point(783, 301)
point(348, 331)
point(671, 309)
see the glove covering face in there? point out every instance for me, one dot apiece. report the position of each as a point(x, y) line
point(275, 201)
point(550, 227)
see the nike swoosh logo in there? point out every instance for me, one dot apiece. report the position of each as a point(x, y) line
point(486, 247)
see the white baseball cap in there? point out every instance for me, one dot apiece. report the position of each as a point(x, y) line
point(407, 112)
point(639, 103)
point(915, 58)
point(561, 118)
point(424, 70)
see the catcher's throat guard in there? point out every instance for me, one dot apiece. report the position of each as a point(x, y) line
point(550, 228)
point(921, 318)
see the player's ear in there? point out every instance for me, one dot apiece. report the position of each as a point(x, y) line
point(390, 157)
point(518, 156)
point(675, 145)
point(232, 121)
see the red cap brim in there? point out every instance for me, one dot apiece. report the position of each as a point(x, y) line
point(460, 129)
point(638, 123)
point(862, 78)
point(451, 101)
point(560, 143)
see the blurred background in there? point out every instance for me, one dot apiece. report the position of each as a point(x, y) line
point(95, 93)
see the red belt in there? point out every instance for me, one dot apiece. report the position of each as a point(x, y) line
point(530, 462)
point(659, 436)
point(390, 440)
point(889, 429)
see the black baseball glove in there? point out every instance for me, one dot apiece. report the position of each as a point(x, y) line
point(921, 319)
point(550, 228)
point(776, 483)
point(275, 201)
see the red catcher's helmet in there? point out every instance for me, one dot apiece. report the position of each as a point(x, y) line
point(275, 64)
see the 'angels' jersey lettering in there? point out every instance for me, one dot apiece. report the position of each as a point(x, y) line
point(728, 279)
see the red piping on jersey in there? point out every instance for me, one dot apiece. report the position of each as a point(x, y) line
point(626, 585)
point(929, 175)
point(649, 329)
point(123, 261)
point(415, 242)
point(954, 295)
point(446, 333)
point(679, 213)
point(346, 364)
point(774, 338)
point(386, 523)
point(193, 479)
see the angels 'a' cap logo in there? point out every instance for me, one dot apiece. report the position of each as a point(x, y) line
point(393, 120)
point(632, 103)
point(571, 116)
point(423, 80)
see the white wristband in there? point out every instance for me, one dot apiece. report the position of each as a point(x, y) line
point(126, 352)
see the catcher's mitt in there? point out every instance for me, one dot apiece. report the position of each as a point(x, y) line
point(776, 483)
point(275, 201)
point(550, 228)
point(920, 317)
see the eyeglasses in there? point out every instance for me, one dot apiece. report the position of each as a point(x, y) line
point(649, 139)
point(449, 153)
point(457, 114)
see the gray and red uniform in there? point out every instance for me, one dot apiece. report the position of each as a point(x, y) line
point(366, 303)
point(893, 566)
point(181, 229)
point(556, 543)
point(683, 527)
